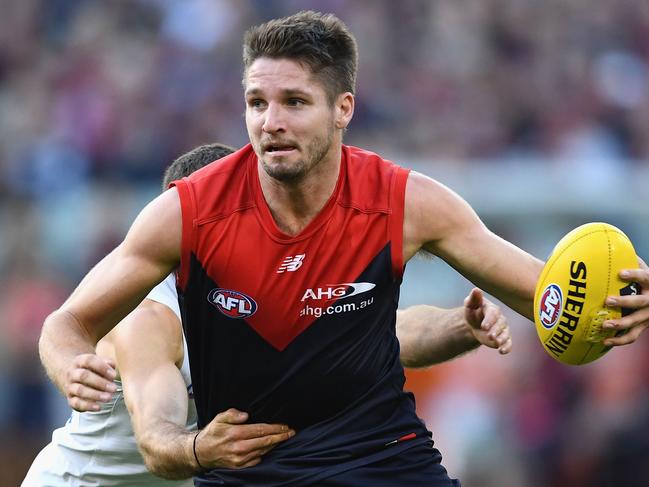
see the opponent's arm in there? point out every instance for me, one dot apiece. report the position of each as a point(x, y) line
point(429, 335)
point(149, 350)
point(107, 294)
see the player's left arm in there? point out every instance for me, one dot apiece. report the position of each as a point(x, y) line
point(439, 221)
point(429, 335)
point(634, 322)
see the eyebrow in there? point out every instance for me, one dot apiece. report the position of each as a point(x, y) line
point(287, 92)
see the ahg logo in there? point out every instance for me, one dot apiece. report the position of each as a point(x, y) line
point(232, 304)
point(338, 291)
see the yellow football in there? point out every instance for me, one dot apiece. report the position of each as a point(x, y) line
point(580, 273)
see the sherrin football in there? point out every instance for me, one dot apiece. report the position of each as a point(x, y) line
point(580, 273)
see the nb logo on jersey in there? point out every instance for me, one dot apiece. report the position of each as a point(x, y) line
point(232, 304)
point(291, 263)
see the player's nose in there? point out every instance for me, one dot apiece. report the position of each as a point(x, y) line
point(273, 119)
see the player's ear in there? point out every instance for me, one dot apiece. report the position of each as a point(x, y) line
point(344, 109)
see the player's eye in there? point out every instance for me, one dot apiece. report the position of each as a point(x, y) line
point(294, 102)
point(256, 103)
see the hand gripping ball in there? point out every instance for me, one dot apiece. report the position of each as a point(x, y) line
point(580, 273)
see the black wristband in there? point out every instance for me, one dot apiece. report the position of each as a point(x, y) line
point(194, 448)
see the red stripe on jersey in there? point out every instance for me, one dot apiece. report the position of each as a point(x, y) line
point(187, 206)
point(409, 436)
point(397, 203)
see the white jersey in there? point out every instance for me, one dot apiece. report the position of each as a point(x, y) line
point(99, 448)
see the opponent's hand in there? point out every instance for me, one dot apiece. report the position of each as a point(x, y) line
point(228, 442)
point(89, 382)
point(488, 325)
point(635, 322)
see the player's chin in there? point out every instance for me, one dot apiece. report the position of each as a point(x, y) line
point(284, 170)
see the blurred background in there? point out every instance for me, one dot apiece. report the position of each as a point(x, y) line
point(536, 112)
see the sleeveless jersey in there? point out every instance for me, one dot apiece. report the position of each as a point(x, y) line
point(99, 448)
point(298, 329)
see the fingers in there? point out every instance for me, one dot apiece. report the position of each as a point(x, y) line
point(246, 431)
point(476, 309)
point(247, 451)
point(83, 405)
point(626, 338)
point(498, 334)
point(227, 442)
point(482, 313)
point(249, 431)
point(638, 318)
point(636, 321)
point(636, 275)
point(501, 336)
point(90, 382)
point(506, 347)
point(231, 416)
point(474, 300)
point(491, 315)
point(631, 301)
point(102, 367)
point(487, 321)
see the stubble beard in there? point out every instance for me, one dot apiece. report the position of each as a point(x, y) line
point(315, 152)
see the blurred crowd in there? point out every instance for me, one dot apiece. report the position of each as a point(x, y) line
point(97, 97)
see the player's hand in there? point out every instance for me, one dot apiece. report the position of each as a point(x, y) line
point(635, 322)
point(487, 322)
point(89, 382)
point(228, 442)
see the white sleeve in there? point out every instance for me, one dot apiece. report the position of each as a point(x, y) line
point(165, 293)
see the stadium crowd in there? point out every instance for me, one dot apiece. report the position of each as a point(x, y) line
point(96, 98)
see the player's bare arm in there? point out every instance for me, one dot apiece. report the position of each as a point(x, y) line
point(429, 335)
point(113, 288)
point(441, 222)
point(149, 350)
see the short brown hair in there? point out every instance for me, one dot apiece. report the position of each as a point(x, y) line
point(193, 160)
point(320, 41)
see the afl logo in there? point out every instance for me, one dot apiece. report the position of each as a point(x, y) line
point(550, 306)
point(232, 304)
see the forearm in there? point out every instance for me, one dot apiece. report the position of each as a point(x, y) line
point(62, 339)
point(167, 449)
point(429, 335)
point(148, 346)
point(156, 398)
point(515, 289)
point(158, 416)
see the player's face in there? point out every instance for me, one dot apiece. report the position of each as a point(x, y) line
point(289, 119)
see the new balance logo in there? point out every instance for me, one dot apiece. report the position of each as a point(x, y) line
point(291, 263)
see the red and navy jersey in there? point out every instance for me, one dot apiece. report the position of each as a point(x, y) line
point(298, 329)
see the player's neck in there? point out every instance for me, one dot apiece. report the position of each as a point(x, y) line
point(294, 205)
